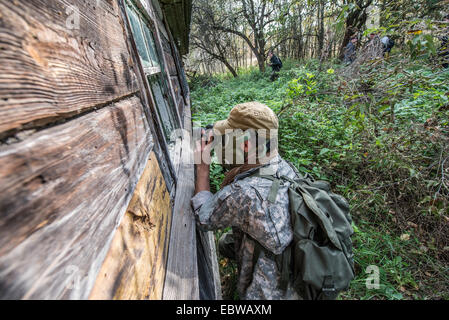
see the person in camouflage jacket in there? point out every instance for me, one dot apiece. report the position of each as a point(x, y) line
point(242, 204)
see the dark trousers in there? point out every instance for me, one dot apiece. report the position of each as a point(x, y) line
point(444, 58)
point(274, 75)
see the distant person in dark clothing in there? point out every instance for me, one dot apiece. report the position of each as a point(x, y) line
point(275, 64)
point(443, 52)
point(387, 44)
point(350, 51)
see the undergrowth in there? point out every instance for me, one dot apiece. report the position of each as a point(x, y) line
point(381, 140)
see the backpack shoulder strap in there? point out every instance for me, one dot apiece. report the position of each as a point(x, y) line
point(276, 183)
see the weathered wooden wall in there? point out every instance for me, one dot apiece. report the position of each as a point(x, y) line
point(135, 265)
point(89, 205)
point(63, 193)
point(53, 69)
point(67, 179)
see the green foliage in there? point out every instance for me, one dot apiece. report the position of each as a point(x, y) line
point(422, 45)
point(381, 141)
point(305, 85)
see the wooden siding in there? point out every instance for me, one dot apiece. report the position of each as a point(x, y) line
point(63, 193)
point(135, 265)
point(52, 69)
point(86, 185)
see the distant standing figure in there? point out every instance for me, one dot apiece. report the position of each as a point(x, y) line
point(275, 64)
point(350, 51)
point(443, 52)
point(387, 44)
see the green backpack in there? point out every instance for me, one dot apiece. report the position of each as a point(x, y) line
point(319, 260)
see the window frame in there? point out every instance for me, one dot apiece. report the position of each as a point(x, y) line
point(145, 17)
point(169, 158)
point(142, 19)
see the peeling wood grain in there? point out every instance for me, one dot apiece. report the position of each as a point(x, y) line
point(50, 68)
point(63, 192)
point(135, 265)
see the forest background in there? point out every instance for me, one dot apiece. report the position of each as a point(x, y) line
point(377, 129)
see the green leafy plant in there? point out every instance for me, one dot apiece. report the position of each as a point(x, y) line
point(381, 141)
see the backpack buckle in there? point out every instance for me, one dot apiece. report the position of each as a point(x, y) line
point(328, 286)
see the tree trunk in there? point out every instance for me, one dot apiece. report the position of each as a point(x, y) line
point(230, 68)
point(300, 42)
point(320, 17)
point(355, 20)
point(260, 61)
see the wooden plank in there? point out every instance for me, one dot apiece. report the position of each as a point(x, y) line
point(208, 272)
point(181, 281)
point(135, 265)
point(176, 87)
point(214, 269)
point(171, 67)
point(51, 67)
point(180, 72)
point(63, 192)
point(181, 106)
point(178, 94)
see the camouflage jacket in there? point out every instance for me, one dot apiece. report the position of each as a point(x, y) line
point(243, 205)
